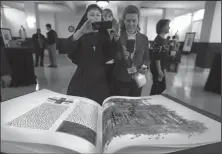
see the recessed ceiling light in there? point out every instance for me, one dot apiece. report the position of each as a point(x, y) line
point(102, 3)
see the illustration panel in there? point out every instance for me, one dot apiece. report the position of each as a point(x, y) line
point(138, 117)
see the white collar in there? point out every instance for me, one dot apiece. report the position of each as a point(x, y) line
point(131, 36)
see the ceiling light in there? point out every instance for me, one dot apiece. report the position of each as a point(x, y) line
point(102, 3)
point(31, 22)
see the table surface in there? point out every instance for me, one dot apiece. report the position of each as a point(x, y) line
point(22, 66)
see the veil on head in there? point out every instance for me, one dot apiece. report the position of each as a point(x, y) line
point(84, 18)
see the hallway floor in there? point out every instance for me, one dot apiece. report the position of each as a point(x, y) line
point(186, 85)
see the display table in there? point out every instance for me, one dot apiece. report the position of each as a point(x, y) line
point(213, 83)
point(22, 66)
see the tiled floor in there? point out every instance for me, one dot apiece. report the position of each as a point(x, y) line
point(186, 85)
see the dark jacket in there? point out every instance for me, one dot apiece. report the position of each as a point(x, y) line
point(35, 40)
point(141, 57)
point(51, 37)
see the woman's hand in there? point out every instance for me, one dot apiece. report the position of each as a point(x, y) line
point(86, 28)
point(166, 47)
point(114, 34)
point(143, 69)
point(160, 75)
point(125, 52)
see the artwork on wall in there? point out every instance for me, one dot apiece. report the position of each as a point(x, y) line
point(71, 29)
point(188, 43)
point(6, 36)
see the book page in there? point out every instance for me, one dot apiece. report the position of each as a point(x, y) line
point(46, 117)
point(154, 121)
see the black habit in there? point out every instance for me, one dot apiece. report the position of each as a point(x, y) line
point(90, 53)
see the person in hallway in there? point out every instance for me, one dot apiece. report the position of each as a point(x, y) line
point(160, 56)
point(39, 45)
point(89, 50)
point(5, 72)
point(107, 15)
point(51, 42)
point(132, 56)
point(22, 33)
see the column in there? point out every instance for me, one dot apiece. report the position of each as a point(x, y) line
point(164, 13)
point(207, 21)
point(210, 37)
point(32, 17)
point(215, 36)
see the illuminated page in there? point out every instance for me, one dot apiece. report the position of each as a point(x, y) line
point(46, 117)
point(154, 121)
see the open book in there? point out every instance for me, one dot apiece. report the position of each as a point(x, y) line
point(49, 122)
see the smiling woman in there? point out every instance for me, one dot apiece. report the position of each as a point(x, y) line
point(89, 50)
point(132, 57)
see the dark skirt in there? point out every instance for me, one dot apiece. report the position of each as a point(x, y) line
point(110, 77)
point(90, 83)
point(158, 87)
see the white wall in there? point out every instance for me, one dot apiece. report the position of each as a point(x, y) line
point(216, 26)
point(151, 27)
point(13, 19)
point(45, 18)
point(182, 24)
point(64, 20)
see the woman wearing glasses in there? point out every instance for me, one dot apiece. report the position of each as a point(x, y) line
point(89, 50)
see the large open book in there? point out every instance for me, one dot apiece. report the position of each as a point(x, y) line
point(49, 122)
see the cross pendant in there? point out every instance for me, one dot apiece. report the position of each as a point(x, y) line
point(94, 48)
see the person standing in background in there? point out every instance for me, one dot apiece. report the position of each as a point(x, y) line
point(107, 15)
point(132, 56)
point(51, 42)
point(22, 33)
point(5, 71)
point(160, 57)
point(39, 45)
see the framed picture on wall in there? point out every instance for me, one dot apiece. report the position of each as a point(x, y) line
point(188, 42)
point(6, 36)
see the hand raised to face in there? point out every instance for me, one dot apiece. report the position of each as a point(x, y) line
point(87, 27)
